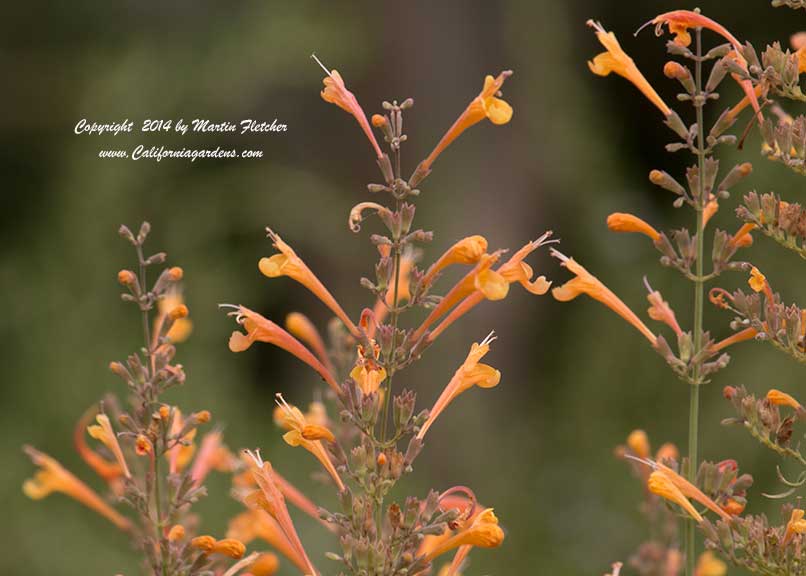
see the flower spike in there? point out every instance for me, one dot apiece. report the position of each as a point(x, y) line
point(616, 60)
point(287, 263)
point(335, 92)
point(587, 283)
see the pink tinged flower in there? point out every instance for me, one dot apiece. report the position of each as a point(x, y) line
point(260, 329)
point(335, 92)
point(660, 311)
point(287, 263)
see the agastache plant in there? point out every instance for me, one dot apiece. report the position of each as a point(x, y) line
point(379, 431)
point(713, 496)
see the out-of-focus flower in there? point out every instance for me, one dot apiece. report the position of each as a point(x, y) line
point(110, 471)
point(796, 525)
point(709, 565)
point(660, 311)
point(266, 564)
point(181, 453)
point(303, 329)
point(53, 477)
point(260, 329)
point(778, 398)
point(587, 283)
point(309, 436)
point(616, 60)
point(103, 432)
point(173, 304)
point(335, 92)
point(638, 442)
point(213, 455)
point(226, 547)
point(287, 263)
point(470, 373)
point(486, 105)
point(257, 523)
point(623, 222)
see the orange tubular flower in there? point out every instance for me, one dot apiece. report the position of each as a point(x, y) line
point(287, 263)
point(513, 270)
point(381, 308)
point(173, 303)
point(687, 489)
point(53, 477)
point(466, 251)
point(180, 454)
point(638, 442)
point(622, 222)
point(587, 283)
point(660, 485)
point(743, 238)
point(261, 329)
point(103, 431)
point(302, 328)
point(796, 525)
point(489, 283)
point(111, 472)
point(213, 455)
point(367, 372)
point(709, 565)
point(256, 523)
point(481, 531)
point(616, 60)
point(485, 105)
point(336, 92)
point(740, 336)
point(711, 208)
point(679, 22)
point(778, 398)
point(309, 436)
point(265, 565)
point(270, 499)
point(470, 373)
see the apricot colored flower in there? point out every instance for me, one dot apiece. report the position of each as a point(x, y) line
point(213, 455)
point(300, 326)
point(622, 222)
point(513, 270)
point(260, 329)
point(660, 485)
point(226, 547)
point(491, 285)
point(466, 251)
point(287, 263)
point(796, 525)
point(266, 564)
point(309, 436)
point(53, 477)
point(256, 523)
point(486, 105)
point(740, 336)
point(757, 280)
point(103, 432)
point(709, 565)
point(743, 237)
point(587, 283)
point(680, 21)
point(367, 372)
point(482, 531)
point(470, 373)
point(110, 471)
point(170, 303)
point(778, 398)
point(381, 308)
point(665, 476)
point(711, 208)
point(181, 453)
point(614, 59)
point(270, 498)
point(335, 92)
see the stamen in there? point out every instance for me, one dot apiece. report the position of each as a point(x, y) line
point(644, 25)
point(491, 337)
point(318, 61)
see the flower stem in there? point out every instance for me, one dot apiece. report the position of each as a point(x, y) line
point(694, 400)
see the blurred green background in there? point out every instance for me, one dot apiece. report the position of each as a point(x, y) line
point(576, 378)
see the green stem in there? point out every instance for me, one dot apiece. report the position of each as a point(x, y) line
point(694, 400)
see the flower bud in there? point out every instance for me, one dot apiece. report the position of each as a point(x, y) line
point(175, 273)
point(127, 278)
point(177, 532)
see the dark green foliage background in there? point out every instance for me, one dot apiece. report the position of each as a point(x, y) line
point(576, 378)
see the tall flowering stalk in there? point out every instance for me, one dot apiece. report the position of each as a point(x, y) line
point(146, 452)
point(380, 432)
point(714, 489)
